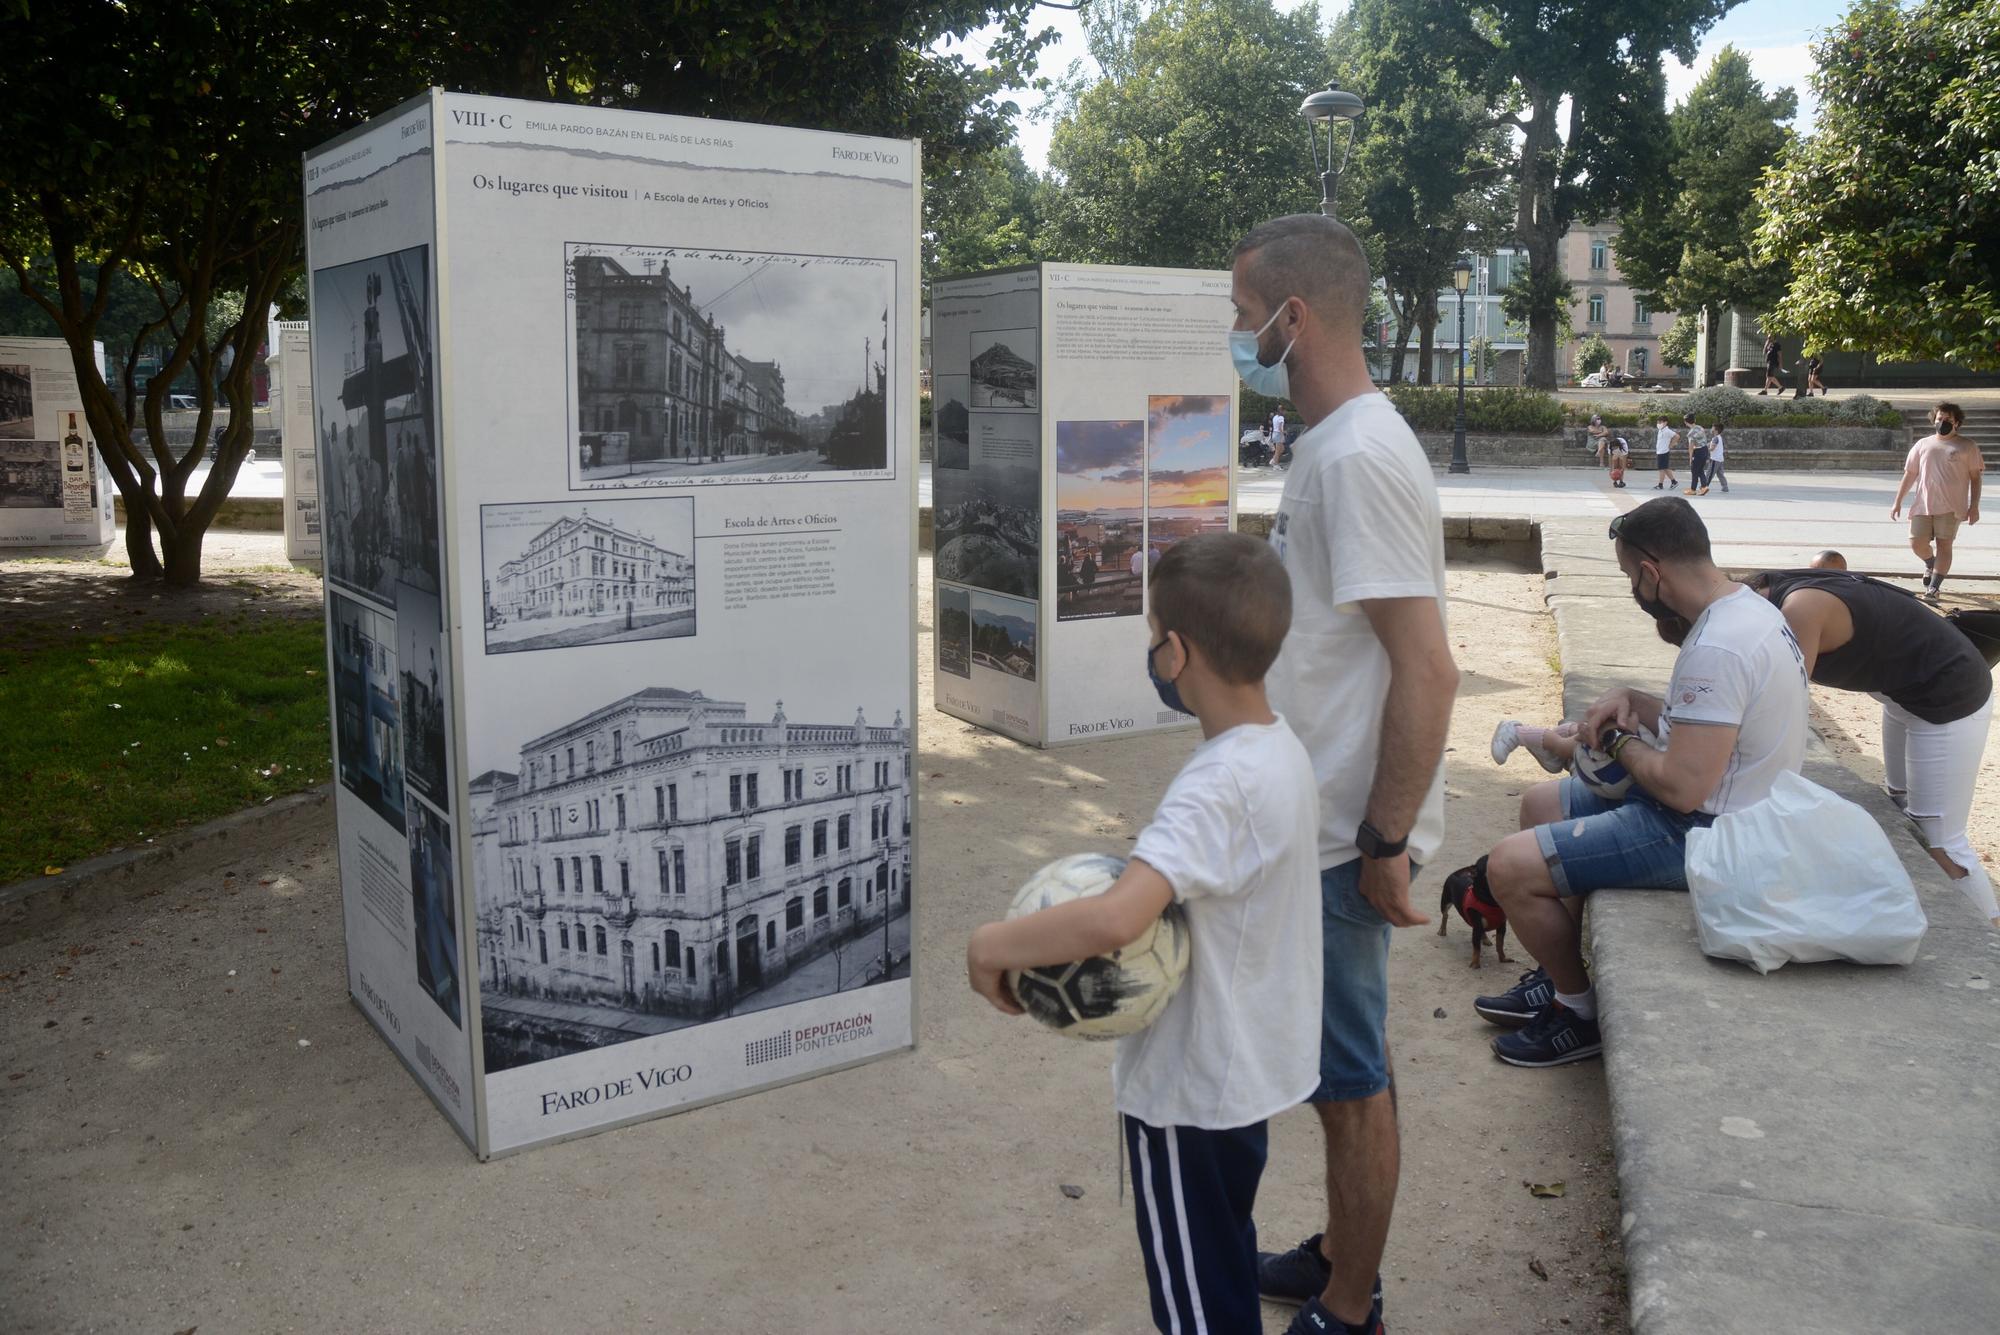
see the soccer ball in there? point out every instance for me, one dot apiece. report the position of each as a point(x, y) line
point(1106, 996)
point(1606, 777)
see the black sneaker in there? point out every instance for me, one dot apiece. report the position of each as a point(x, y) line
point(1301, 1274)
point(1519, 1003)
point(1314, 1319)
point(1556, 1037)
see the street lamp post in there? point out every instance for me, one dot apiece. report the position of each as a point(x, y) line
point(1461, 278)
point(1331, 108)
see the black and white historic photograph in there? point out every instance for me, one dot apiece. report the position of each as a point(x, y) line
point(696, 365)
point(434, 908)
point(952, 420)
point(1003, 635)
point(989, 523)
point(656, 860)
point(17, 401)
point(368, 729)
point(1006, 369)
point(425, 674)
point(564, 573)
point(954, 631)
point(375, 422)
point(30, 475)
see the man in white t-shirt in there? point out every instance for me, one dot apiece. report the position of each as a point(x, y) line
point(1733, 720)
point(1366, 680)
point(1278, 428)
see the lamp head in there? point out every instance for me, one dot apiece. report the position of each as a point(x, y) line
point(1461, 275)
point(1332, 109)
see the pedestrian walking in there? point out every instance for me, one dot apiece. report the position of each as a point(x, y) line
point(1813, 382)
point(1664, 440)
point(1773, 363)
point(1942, 477)
point(1715, 449)
point(1697, 442)
point(1360, 533)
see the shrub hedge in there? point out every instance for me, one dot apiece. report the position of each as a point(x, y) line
point(1434, 408)
point(1741, 408)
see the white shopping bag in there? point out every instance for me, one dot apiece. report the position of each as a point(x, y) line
point(1803, 875)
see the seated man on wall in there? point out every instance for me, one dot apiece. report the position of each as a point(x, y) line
point(1733, 719)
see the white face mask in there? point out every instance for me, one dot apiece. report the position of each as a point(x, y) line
point(1272, 381)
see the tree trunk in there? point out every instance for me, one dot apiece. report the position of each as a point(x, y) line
point(1427, 322)
point(1406, 317)
point(1541, 236)
point(183, 567)
point(139, 540)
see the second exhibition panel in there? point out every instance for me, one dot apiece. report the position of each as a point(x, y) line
point(618, 468)
point(54, 490)
point(1086, 420)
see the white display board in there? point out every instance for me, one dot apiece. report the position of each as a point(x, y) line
point(54, 489)
point(1086, 421)
point(616, 429)
point(291, 379)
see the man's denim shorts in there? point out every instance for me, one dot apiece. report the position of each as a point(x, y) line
point(1632, 844)
point(1354, 1003)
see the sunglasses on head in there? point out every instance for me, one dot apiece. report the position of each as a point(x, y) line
point(1617, 525)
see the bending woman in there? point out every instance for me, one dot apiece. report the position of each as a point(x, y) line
point(1936, 692)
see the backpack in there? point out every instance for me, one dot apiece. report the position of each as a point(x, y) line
point(1980, 626)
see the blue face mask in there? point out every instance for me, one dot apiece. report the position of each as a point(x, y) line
point(1272, 381)
point(1170, 692)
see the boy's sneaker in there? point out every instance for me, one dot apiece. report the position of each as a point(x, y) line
point(1300, 1275)
point(1555, 1037)
point(1507, 736)
point(1519, 1003)
point(1314, 1319)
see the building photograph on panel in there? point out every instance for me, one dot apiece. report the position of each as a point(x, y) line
point(563, 573)
point(669, 858)
point(31, 475)
point(424, 673)
point(952, 420)
point(1006, 370)
point(1003, 635)
point(739, 366)
point(434, 908)
point(17, 401)
point(372, 369)
point(368, 728)
point(1100, 519)
point(1187, 468)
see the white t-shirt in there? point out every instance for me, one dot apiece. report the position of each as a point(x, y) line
point(1663, 440)
point(1234, 837)
point(1741, 666)
point(1358, 520)
point(1715, 446)
point(1278, 427)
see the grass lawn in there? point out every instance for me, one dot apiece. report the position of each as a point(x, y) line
point(110, 740)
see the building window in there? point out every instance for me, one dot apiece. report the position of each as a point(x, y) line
point(795, 913)
point(732, 862)
point(819, 903)
point(576, 873)
point(542, 937)
point(617, 748)
point(561, 888)
point(673, 801)
point(846, 896)
point(1600, 254)
point(736, 792)
point(600, 942)
point(562, 933)
point(624, 878)
point(844, 837)
point(753, 858)
point(597, 873)
point(690, 964)
point(621, 811)
point(680, 871)
point(570, 751)
point(673, 949)
point(656, 957)
point(819, 838)
point(791, 846)
point(750, 791)
point(1597, 308)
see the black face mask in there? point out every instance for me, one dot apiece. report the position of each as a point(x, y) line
point(1653, 607)
point(1944, 428)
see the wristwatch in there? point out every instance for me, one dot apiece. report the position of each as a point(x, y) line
point(1374, 844)
point(1614, 740)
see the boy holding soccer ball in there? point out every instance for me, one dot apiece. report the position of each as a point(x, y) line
point(1235, 844)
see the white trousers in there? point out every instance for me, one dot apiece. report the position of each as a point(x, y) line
point(1931, 768)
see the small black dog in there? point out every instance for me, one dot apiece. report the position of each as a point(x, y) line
point(1466, 890)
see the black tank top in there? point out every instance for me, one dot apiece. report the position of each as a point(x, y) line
point(1900, 648)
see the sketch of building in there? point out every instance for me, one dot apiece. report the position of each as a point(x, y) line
point(30, 474)
point(17, 401)
point(368, 736)
point(582, 578)
point(666, 860)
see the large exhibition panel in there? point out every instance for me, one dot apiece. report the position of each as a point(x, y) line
point(298, 448)
point(615, 425)
point(54, 489)
point(1086, 422)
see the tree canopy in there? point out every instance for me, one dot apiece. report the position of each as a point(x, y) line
point(159, 140)
point(1189, 138)
point(1890, 211)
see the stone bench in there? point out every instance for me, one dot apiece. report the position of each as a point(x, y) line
point(1813, 1150)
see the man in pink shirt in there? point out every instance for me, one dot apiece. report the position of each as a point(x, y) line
point(1945, 471)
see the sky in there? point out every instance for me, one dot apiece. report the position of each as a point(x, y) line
point(1188, 437)
point(1100, 465)
point(1773, 33)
